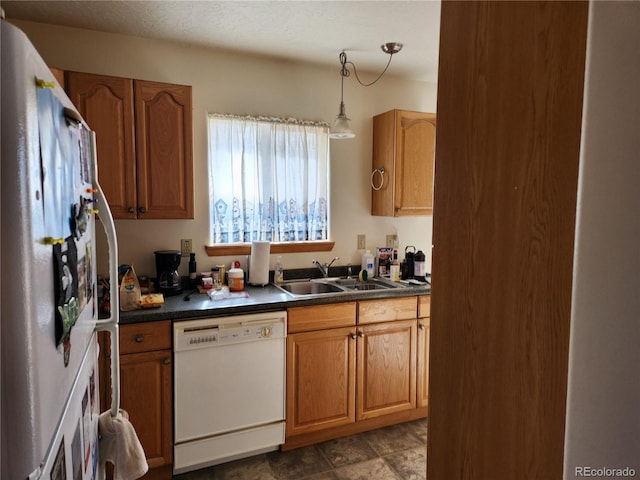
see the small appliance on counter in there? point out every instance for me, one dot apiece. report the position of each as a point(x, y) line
point(168, 278)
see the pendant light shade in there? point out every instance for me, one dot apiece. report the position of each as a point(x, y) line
point(341, 128)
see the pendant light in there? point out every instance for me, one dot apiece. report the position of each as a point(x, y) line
point(341, 128)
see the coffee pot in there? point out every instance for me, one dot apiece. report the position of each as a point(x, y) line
point(409, 259)
point(420, 266)
point(168, 278)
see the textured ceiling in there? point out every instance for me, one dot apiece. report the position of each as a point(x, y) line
point(314, 31)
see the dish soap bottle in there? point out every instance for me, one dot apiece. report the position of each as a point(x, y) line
point(395, 267)
point(278, 271)
point(193, 275)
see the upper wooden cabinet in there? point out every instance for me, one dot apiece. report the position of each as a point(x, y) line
point(58, 73)
point(164, 150)
point(403, 161)
point(144, 143)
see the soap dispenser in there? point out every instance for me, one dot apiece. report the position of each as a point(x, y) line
point(278, 271)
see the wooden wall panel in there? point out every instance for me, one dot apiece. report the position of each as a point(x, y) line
point(507, 149)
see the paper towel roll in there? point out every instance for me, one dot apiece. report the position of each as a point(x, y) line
point(259, 263)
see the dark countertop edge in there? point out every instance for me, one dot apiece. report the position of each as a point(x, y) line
point(261, 299)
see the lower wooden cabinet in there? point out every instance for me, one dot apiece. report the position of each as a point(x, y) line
point(145, 389)
point(320, 380)
point(424, 324)
point(386, 368)
point(357, 373)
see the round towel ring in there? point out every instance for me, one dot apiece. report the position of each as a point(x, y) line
point(381, 172)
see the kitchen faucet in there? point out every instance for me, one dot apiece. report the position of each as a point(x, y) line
point(324, 267)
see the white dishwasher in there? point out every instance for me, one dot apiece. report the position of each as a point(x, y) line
point(229, 388)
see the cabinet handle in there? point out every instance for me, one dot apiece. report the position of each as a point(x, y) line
point(353, 336)
point(131, 210)
point(361, 334)
point(166, 361)
point(381, 172)
point(421, 326)
point(142, 210)
point(139, 339)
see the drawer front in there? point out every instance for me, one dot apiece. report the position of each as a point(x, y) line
point(388, 309)
point(320, 317)
point(145, 337)
point(424, 306)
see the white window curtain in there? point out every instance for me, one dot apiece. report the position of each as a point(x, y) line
point(268, 179)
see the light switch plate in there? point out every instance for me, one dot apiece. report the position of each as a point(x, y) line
point(362, 241)
point(392, 241)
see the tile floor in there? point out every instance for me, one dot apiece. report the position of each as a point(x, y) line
point(390, 453)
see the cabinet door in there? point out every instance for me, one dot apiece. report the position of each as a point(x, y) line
point(423, 362)
point(386, 368)
point(415, 143)
point(106, 104)
point(164, 150)
point(403, 146)
point(145, 393)
point(424, 324)
point(320, 380)
point(58, 73)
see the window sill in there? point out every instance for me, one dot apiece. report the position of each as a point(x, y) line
point(289, 247)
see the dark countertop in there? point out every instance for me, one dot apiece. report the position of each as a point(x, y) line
point(260, 299)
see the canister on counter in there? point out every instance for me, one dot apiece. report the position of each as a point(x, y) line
point(223, 270)
point(215, 276)
point(235, 279)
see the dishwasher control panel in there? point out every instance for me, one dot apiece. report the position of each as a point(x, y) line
point(214, 332)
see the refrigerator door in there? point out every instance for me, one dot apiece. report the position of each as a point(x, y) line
point(49, 305)
point(73, 451)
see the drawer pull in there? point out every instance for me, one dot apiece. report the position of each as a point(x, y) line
point(139, 339)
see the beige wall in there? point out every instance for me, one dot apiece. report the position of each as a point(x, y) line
point(232, 83)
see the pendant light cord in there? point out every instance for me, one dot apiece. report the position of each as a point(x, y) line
point(344, 71)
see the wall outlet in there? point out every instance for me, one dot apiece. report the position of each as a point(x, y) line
point(362, 241)
point(186, 247)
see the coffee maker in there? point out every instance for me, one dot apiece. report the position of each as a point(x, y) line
point(168, 279)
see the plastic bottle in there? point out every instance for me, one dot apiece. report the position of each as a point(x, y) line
point(193, 276)
point(235, 279)
point(395, 267)
point(278, 271)
point(367, 263)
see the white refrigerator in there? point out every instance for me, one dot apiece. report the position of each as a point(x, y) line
point(49, 202)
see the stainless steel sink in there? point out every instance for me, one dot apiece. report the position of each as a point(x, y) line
point(371, 284)
point(320, 286)
point(309, 288)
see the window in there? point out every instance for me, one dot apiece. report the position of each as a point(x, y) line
point(268, 180)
